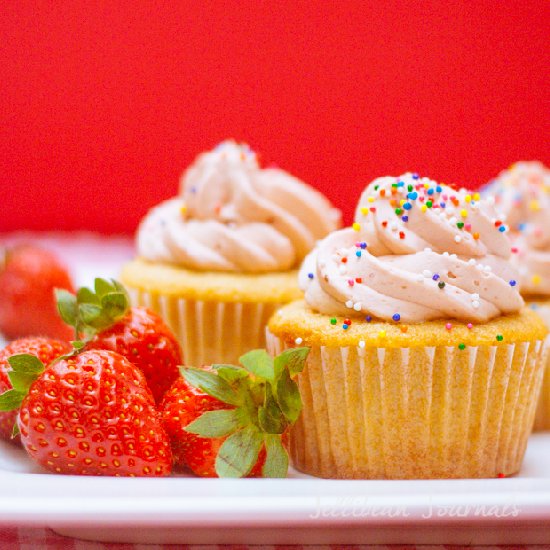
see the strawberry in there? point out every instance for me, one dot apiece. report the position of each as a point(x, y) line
point(106, 320)
point(232, 421)
point(28, 276)
point(89, 413)
point(46, 350)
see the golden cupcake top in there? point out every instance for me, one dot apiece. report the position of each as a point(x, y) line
point(418, 250)
point(233, 215)
point(298, 325)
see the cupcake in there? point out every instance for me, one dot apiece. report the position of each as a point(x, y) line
point(423, 362)
point(522, 197)
point(216, 261)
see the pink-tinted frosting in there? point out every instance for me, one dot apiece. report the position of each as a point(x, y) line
point(232, 215)
point(522, 196)
point(417, 251)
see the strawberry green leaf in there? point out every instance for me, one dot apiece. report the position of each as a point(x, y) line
point(239, 453)
point(119, 287)
point(15, 431)
point(288, 397)
point(210, 383)
point(276, 462)
point(114, 304)
point(86, 296)
point(102, 287)
point(78, 344)
point(89, 313)
point(66, 305)
point(26, 363)
point(259, 363)
point(11, 400)
point(293, 359)
point(230, 373)
point(270, 417)
point(216, 423)
point(21, 381)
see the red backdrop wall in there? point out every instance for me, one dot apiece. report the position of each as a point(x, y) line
point(102, 105)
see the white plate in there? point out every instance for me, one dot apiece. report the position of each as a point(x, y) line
point(298, 510)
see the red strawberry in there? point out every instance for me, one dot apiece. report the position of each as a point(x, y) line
point(46, 350)
point(28, 276)
point(106, 318)
point(231, 421)
point(90, 413)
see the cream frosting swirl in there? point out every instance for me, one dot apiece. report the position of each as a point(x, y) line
point(233, 215)
point(417, 251)
point(522, 196)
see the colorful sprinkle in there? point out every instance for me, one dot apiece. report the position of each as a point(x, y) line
point(512, 282)
point(333, 321)
point(368, 318)
point(310, 275)
point(461, 346)
point(396, 317)
point(470, 326)
point(500, 337)
point(448, 326)
point(356, 226)
point(298, 341)
point(441, 284)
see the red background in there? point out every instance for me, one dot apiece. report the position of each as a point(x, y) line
point(102, 105)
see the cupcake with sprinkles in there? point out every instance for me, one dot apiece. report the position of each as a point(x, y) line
point(522, 196)
point(424, 362)
point(220, 258)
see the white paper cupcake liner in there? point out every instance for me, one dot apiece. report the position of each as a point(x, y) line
point(542, 415)
point(415, 413)
point(209, 331)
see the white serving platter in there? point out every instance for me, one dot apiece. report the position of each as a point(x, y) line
point(297, 510)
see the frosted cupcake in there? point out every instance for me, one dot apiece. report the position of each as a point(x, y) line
point(522, 196)
point(220, 258)
point(423, 363)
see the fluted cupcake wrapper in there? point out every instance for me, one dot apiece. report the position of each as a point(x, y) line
point(415, 413)
point(542, 415)
point(210, 331)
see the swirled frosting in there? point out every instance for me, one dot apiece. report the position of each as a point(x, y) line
point(417, 251)
point(522, 196)
point(233, 215)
